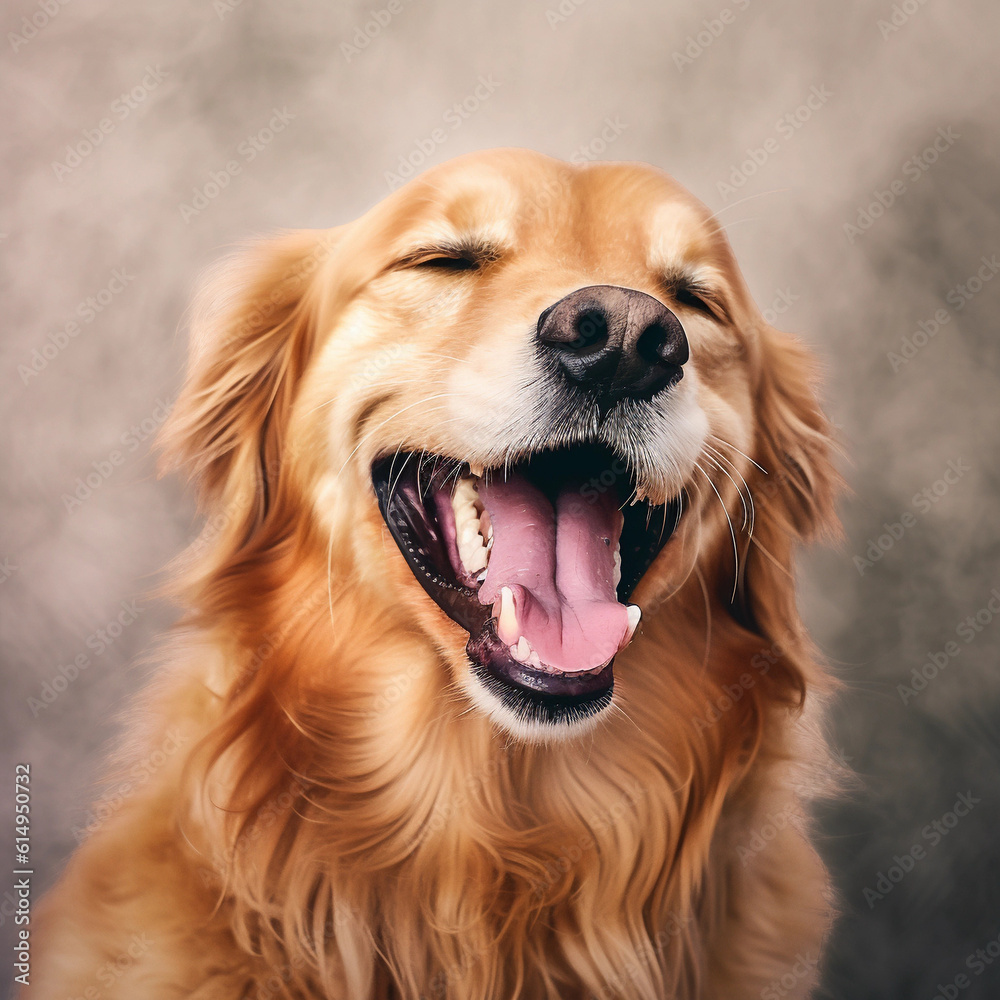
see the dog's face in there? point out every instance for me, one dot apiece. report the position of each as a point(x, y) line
point(547, 384)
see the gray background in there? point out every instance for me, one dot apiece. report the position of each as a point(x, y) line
point(222, 69)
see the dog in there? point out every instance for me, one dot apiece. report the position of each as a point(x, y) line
point(490, 681)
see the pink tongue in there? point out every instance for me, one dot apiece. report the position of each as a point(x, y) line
point(559, 564)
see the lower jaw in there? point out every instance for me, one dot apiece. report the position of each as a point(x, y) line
point(528, 681)
point(535, 717)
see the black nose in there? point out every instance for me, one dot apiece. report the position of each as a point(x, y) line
point(614, 343)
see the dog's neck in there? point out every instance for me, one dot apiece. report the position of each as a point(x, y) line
point(456, 830)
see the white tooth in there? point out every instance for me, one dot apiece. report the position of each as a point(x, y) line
point(523, 650)
point(617, 575)
point(476, 469)
point(482, 577)
point(507, 617)
point(535, 660)
point(471, 548)
point(634, 614)
point(471, 538)
point(477, 560)
point(515, 651)
point(466, 514)
point(464, 495)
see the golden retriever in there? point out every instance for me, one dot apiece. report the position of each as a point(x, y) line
point(491, 682)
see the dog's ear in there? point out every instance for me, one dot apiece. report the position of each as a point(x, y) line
point(794, 485)
point(793, 441)
point(253, 329)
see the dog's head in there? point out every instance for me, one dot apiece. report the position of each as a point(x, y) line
point(519, 404)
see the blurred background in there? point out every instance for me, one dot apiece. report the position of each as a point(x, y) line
point(852, 152)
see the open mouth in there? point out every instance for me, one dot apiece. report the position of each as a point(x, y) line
point(536, 561)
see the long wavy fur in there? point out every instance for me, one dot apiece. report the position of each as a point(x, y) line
point(335, 828)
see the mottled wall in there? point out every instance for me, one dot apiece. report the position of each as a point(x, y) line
point(598, 79)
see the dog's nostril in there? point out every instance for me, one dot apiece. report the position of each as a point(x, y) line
point(651, 343)
point(591, 328)
point(663, 344)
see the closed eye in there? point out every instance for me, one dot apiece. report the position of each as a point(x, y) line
point(688, 291)
point(443, 263)
point(450, 257)
point(688, 296)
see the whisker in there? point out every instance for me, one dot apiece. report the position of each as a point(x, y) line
point(749, 197)
point(420, 465)
point(753, 512)
point(621, 711)
point(715, 462)
point(402, 469)
point(784, 569)
point(732, 532)
point(722, 441)
point(737, 222)
point(663, 524)
point(448, 357)
point(368, 434)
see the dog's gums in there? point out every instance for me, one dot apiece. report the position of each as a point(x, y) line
point(534, 562)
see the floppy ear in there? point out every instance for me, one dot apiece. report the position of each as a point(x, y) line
point(253, 328)
point(793, 440)
point(793, 489)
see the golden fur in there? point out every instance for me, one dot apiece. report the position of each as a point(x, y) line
point(334, 819)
